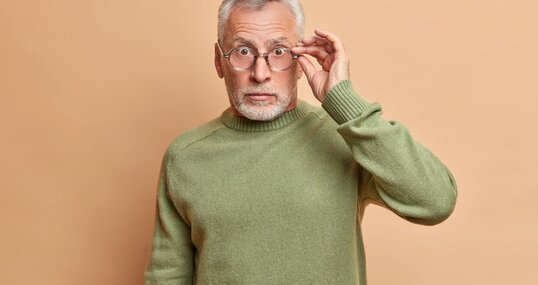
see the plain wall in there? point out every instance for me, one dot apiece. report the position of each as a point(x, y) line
point(92, 92)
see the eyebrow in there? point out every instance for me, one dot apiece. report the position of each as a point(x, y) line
point(279, 41)
point(242, 41)
point(270, 42)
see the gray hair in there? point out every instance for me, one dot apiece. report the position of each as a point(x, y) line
point(227, 6)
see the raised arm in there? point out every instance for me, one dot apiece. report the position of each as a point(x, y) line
point(397, 172)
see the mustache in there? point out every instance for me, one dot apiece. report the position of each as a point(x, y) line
point(259, 89)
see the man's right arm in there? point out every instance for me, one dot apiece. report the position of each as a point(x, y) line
point(171, 260)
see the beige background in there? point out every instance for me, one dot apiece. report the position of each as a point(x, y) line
point(93, 91)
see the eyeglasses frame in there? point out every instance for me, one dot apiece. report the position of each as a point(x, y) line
point(256, 55)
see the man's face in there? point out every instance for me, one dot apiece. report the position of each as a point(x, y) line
point(259, 93)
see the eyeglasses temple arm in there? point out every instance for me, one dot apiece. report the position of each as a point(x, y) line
point(222, 51)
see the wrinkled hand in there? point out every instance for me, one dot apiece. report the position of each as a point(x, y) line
point(330, 54)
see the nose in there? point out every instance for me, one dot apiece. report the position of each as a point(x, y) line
point(260, 72)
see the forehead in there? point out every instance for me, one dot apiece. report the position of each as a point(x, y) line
point(273, 22)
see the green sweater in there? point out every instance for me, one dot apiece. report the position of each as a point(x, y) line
point(280, 202)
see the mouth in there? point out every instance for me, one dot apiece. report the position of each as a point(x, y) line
point(260, 96)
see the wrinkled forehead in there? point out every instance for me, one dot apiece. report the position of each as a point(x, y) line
point(268, 42)
point(272, 23)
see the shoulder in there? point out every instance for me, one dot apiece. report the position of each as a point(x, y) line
point(186, 140)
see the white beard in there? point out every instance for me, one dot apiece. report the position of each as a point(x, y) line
point(262, 110)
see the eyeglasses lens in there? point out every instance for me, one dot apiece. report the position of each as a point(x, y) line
point(279, 59)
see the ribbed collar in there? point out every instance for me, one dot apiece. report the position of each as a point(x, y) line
point(246, 125)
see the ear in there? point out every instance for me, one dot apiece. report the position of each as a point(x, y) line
point(218, 62)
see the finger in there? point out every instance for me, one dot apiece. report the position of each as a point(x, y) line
point(318, 52)
point(337, 43)
point(310, 40)
point(315, 40)
point(318, 41)
point(328, 46)
point(333, 39)
point(307, 66)
point(325, 64)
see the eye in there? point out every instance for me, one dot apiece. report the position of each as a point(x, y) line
point(279, 51)
point(244, 51)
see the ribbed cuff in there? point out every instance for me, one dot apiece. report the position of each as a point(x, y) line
point(343, 104)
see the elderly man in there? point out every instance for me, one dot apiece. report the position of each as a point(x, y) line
point(273, 191)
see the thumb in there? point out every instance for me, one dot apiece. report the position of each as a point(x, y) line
point(307, 66)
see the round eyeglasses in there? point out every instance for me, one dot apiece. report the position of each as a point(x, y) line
point(243, 58)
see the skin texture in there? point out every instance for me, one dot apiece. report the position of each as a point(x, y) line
point(261, 93)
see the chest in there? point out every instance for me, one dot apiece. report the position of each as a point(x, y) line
point(265, 186)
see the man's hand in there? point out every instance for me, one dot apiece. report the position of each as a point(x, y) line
point(330, 54)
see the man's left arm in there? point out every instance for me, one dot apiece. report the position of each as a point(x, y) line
point(396, 171)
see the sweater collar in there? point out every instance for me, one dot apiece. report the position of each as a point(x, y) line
point(246, 125)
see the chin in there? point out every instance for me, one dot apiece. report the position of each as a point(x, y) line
point(261, 113)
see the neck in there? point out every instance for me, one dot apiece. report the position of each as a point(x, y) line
point(242, 123)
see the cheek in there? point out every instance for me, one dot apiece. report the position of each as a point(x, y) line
point(291, 77)
point(235, 79)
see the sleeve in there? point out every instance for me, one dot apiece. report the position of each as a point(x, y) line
point(171, 259)
point(396, 171)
